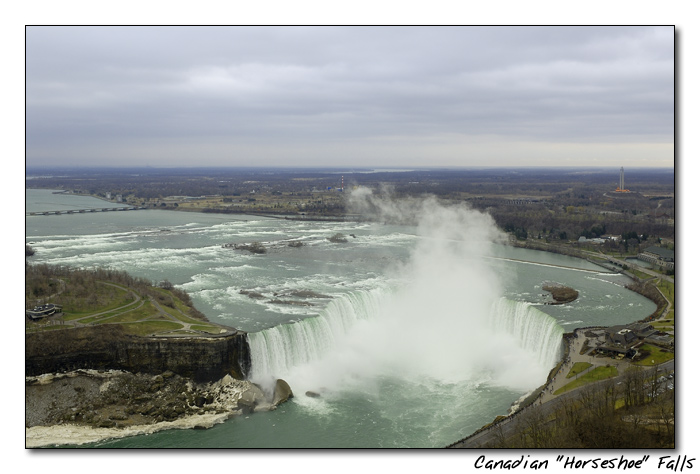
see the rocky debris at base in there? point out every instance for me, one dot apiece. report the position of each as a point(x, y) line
point(118, 400)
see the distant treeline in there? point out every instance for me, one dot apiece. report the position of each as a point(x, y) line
point(558, 204)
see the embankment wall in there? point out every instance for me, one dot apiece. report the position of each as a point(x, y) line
point(108, 347)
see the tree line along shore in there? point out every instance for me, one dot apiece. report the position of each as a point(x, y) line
point(552, 205)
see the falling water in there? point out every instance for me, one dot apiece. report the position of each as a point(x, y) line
point(518, 328)
point(536, 332)
point(278, 349)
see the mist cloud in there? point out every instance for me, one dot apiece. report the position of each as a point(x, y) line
point(438, 325)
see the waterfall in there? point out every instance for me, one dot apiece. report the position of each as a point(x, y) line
point(276, 350)
point(535, 331)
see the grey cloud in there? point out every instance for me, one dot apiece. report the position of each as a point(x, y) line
point(114, 86)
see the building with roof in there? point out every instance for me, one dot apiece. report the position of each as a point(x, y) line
point(43, 311)
point(624, 340)
point(659, 257)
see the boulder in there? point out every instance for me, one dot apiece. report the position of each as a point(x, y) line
point(250, 398)
point(282, 392)
point(264, 407)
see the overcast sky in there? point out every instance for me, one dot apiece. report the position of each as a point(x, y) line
point(350, 96)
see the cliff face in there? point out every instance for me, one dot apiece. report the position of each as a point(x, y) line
point(107, 347)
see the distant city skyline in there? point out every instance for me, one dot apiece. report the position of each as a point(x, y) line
point(374, 97)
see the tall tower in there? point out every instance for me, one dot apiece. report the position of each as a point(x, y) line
point(622, 179)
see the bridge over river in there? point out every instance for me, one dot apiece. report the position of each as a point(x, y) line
point(83, 211)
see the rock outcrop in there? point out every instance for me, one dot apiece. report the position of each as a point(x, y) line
point(282, 392)
point(560, 294)
point(202, 359)
point(251, 398)
point(118, 399)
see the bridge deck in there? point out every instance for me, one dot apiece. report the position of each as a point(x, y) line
point(82, 211)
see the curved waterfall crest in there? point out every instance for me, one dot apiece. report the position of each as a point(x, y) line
point(277, 350)
point(536, 331)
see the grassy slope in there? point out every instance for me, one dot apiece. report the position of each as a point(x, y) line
point(114, 303)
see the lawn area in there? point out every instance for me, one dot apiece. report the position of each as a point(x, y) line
point(209, 329)
point(668, 289)
point(656, 356)
point(599, 373)
point(179, 311)
point(144, 312)
point(71, 312)
point(578, 368)
point(664, 324)
point(187, 319)
point(149, 327)
point(640, 274)
point(114, 315)
point(45, 327)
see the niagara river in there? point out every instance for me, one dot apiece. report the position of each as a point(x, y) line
point(404, 336)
